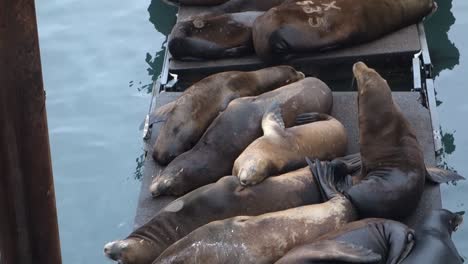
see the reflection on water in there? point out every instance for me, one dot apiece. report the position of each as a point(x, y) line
point(443, 51)
point(140, 161)
point(448, 142)
point(448, 43)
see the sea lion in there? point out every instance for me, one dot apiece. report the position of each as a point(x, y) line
point(310, 26)
point(213, 37)
point(187, 118)
point(233, 130)
point(259, 239)
point(381, 241)
point(216, 201)
point(282, 149)
point(372, 240)
point(434, 239)
point(393, 172)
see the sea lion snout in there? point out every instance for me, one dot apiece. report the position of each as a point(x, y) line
point(160, 187)
point(113, 250)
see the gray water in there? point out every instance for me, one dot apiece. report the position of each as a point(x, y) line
point(448, 42)
point(99, 59)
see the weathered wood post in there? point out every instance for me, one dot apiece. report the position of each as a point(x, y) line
point(28, 217)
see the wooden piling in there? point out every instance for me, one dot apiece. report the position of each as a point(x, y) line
point(28, 217)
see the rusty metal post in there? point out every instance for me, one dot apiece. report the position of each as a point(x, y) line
point(28, 216)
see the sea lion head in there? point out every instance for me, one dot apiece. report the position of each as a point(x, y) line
point(175, 137)
point(251, 169)
point(401, 239)
point(174, 180)
point(444, 220)
point(164, 184)
point(373, 90)
point(130, 250)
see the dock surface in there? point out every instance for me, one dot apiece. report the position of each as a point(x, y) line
point(345, 110)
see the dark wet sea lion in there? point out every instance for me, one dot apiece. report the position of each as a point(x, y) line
point(233, 130)
point(372, 240)
point(310, 26)
point(187, 118)
point(434, 239)
point(393, 172)
point(213, 37)
point(382, 241)
point(282, 149)
point(217, 201)
point(259, 239)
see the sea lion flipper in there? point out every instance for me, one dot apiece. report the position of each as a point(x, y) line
point(347, 165)
point(331, 251)
point(438, 175)
point(272, 121)
point(307, 118)
point(323, 172)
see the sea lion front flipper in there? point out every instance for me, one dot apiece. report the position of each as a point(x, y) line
point(350, 164)
point(330, 251)
point(438, 175)
point(307, 118)
point(272, 121)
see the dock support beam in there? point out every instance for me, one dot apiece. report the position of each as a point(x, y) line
point(28, 216)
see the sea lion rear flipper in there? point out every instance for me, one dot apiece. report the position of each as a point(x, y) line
point(323, 172)
point(331, 251)
point(438, 175)
point(272, 121)
point(307, 118)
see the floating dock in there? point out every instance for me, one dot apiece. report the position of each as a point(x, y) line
point(402, 58)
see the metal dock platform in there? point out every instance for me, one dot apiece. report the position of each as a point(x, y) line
point(402, 58)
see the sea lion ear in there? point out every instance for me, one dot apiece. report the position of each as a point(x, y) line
point(272, 121)
point(456, 220)
point(307, 118)
point(331, 251)
point(438, 175)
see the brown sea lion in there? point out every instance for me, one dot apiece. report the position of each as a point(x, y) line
point(233, 130)
point(393, 172)
point(213, 37)
point(216, 201)
point(259, 239)
point(187, 118)
point(376, 240)
point(282, 149)
point(310, 26)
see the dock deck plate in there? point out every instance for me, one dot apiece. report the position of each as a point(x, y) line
point(345, 110)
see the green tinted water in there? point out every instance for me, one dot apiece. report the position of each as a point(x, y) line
point(99, 59)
